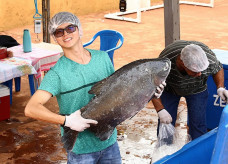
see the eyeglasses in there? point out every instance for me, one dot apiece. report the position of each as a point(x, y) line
point(60, 32)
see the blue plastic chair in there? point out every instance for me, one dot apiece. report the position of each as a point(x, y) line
point(108, 41)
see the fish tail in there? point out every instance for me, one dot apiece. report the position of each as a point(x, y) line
point(69, 138)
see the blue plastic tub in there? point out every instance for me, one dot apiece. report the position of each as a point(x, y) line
point(215, 104)
point(220, 152)
point(211, 148)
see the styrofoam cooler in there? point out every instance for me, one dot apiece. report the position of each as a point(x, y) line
point(4, 102)
point(215, 104)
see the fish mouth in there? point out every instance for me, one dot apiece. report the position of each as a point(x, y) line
point(166, 69)
point(167, 66)
point(162, 75)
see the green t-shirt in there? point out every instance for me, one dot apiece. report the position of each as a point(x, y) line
point(70, 82)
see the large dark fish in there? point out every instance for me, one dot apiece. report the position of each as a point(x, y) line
point(120, 96)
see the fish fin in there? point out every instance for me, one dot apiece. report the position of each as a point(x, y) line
point(134, 115)
point(102, 132)
point(69, 138)
point(102, 85)
point(97, 88)
point(83, 109)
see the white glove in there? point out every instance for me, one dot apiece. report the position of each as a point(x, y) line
point(223, 93)
point(164, 116)
point(76, 122)
point(159, 90)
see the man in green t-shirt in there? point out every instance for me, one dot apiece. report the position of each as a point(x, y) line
point(70, 80)
point(77, 68)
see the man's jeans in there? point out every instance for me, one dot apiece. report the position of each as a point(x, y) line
point(110, 155)
point(196, 105)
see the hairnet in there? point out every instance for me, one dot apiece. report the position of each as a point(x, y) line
point(63, 17)
point(194, 58)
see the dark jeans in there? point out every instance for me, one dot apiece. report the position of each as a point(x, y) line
point(110, 155)
point(196, 105)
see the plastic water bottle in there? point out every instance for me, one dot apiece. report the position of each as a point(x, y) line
point(27, 44)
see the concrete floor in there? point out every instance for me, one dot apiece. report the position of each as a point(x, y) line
point(24, 140)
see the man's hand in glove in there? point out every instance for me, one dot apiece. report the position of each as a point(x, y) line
point(159, 90)
point(164, 116)
point(76, 122)
point(223, 93)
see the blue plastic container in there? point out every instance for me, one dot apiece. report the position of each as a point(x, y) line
point(211, 148)
point(199, 151)
point(27, 43)
point(220, 152)
point(215, 104)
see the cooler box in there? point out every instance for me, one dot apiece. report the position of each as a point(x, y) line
point(215, 104)
point(210, 148)
point(4, 102)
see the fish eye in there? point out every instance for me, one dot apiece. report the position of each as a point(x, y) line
point(166, 67)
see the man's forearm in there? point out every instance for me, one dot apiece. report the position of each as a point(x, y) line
point(219, 78)
point(157, 104)
point(36, 109)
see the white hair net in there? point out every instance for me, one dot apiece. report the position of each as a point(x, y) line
point(194, 58)
point(63, 17)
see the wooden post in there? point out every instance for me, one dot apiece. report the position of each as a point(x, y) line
point(44, 21)
point(172, 21)
point(46, 18)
